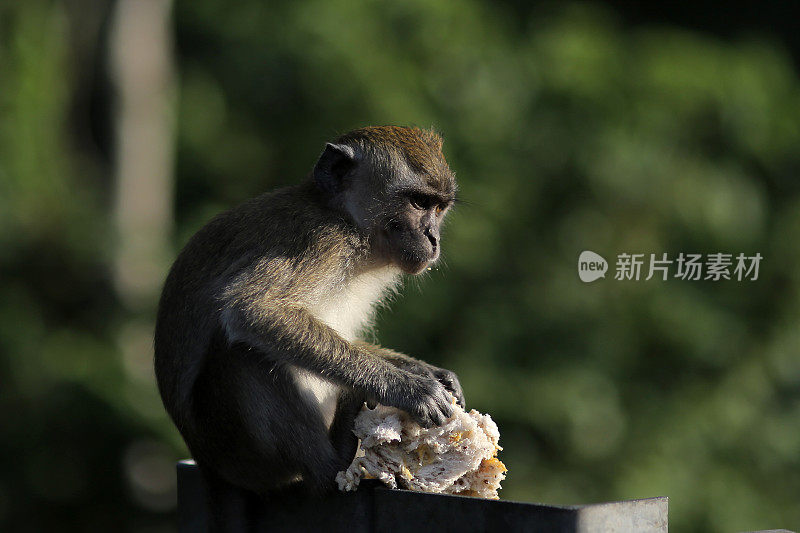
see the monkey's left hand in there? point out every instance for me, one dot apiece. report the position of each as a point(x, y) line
point(446, 377)
point(450, 381)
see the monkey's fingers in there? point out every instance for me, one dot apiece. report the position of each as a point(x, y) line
point(451, 383)
point(424, 398)
point(432, 418)
point(455, 389)
point(437, 409)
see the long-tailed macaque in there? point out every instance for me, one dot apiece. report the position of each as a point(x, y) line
point(257, 352)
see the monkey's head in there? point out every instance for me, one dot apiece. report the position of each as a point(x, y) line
point(395, 185)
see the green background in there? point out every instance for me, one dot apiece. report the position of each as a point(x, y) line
point(569, 129)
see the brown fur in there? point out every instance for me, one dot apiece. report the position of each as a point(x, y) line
point(245, 316)
point(421, 149)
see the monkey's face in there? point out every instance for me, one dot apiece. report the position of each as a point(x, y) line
point(405, 209)
point(411, 238)
point(403, 215)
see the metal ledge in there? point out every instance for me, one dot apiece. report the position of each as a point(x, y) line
point(376, 508)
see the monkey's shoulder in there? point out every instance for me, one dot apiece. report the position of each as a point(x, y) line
point(292, 224)
point(294, 221)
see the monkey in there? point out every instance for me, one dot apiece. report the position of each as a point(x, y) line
point(258, 354)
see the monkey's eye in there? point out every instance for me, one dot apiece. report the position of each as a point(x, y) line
point(420, 201)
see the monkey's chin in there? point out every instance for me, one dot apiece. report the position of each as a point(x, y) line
point(414, 267)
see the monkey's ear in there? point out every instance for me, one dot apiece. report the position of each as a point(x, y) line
point(333, 164)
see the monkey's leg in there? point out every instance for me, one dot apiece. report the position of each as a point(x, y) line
point(254, 428)
point(342, 437)
point(332, 450)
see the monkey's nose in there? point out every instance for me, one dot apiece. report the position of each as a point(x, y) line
point(433, 237)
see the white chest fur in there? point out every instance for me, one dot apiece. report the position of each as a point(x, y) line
point(348, 310)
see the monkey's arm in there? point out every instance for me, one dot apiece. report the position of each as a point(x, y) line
point(446, 377)
point(289, 333)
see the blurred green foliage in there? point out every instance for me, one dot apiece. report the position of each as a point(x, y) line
point(567, 132)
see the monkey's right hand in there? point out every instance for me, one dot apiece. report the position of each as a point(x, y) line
point(423, 397)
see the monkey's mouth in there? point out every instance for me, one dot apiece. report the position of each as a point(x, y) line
point(414, 262)
point(413, 267)
point(411, 251)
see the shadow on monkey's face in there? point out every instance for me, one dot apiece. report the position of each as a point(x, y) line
point(411, 250)
point(411, 237)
